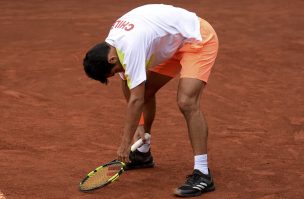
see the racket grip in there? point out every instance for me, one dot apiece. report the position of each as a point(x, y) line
point(139, 142)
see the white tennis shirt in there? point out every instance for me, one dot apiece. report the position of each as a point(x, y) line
point(148, 35)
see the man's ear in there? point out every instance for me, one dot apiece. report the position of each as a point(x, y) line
point(113, 60)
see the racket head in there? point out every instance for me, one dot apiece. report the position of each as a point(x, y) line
point(102, 176)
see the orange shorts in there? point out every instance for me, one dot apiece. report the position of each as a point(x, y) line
point(193, 60)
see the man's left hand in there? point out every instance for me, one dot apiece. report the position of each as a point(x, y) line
point(124, 151)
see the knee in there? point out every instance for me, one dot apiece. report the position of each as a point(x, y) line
point(187, 104)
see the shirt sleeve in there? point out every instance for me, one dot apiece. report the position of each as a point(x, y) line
point(135, 64)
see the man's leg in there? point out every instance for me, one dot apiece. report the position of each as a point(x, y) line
point(154, 82)
point(188, 98)
point(142, 157)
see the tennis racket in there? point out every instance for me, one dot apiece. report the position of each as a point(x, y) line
point(107, 173)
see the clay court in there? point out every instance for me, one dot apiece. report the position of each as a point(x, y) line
point(56, 124)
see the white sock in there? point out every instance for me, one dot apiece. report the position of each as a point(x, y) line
point(145, 147)
point(201, 163)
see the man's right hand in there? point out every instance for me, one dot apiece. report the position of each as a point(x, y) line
point(140, 133)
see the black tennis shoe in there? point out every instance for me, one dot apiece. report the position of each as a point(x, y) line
point(195, 185)
point(139, 160)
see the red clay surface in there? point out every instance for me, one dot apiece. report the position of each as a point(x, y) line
point(56, 124)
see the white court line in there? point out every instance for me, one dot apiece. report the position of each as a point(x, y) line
point(2, 195)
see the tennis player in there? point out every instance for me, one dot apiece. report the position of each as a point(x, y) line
point(148, 46)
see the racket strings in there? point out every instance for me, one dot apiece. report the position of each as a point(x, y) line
point(101, 177)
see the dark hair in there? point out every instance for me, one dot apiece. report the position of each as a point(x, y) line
point(96, 63)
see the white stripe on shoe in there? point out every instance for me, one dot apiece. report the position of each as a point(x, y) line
point(204, 184)
point(201, 186)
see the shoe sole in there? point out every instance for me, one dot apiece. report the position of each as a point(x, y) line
point(141, 166)
point(178, 193)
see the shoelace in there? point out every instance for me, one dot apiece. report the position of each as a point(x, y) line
point(191, 179)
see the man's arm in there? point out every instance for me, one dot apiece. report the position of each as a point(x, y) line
point(140, 131)
point(125, 89)
point(134, 110)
